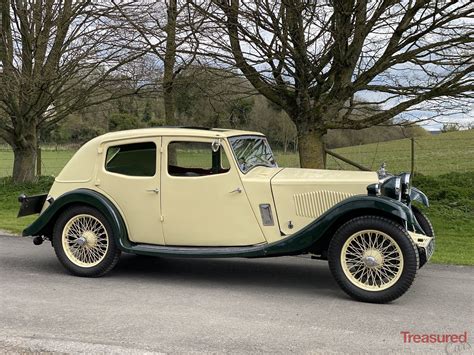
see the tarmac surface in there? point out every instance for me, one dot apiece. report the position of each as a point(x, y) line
point(279, 305)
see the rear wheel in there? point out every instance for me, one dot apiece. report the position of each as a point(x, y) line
point(373, 259)
point(84, 243)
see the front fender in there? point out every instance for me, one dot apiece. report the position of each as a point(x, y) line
point(44, 224)
point(333, 218)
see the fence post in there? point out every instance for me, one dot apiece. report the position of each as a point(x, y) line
point(412, 156)
point(38, 161)
point(324, 156)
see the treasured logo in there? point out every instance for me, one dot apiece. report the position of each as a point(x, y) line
point(409, 337)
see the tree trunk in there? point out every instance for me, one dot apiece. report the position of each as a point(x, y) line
point(24, 147)
point(24, 164)
point(169, 63)
point(311, 149)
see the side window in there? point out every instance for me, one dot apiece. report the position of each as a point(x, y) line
point(136, 159)
point(196, 159)
point(224, 163)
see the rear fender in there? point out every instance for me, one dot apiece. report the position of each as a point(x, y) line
point(44, 224)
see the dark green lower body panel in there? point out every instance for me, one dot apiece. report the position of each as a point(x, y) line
point(302, 241)
point(253, 251)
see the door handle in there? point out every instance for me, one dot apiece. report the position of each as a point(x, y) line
point(238, 190)
point(155, 190)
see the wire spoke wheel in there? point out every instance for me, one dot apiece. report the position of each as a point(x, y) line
point(372, 260)
point(85, 240)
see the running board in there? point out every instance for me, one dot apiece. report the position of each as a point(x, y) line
point(199, 252)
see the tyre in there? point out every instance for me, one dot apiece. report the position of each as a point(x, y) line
point(373, 259)
point(423, 221)
point(84, 243)
point(427, 227)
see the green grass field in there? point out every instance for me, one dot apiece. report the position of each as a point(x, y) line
point(452, 213)
point(52, 161)
point(434, 154)
point(451, 195)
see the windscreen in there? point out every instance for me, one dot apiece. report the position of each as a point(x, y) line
point(252, 151)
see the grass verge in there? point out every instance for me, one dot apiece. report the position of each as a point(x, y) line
point(9, 204)
point(451, 212)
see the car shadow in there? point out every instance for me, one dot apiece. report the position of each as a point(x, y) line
point(297, 273)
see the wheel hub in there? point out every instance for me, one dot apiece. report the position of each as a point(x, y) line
point(81, 241)
point(90, 238)
point(372, 258)
point(370, 261)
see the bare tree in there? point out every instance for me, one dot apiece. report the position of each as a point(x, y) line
point(326, 63)
point(171, 31)
point(55, 57)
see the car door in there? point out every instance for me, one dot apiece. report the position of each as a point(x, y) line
point(130, 176)
point(203, 199)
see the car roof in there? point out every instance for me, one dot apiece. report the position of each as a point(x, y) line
point(177, 131)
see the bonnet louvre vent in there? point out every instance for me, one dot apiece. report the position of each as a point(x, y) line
point(315, 203)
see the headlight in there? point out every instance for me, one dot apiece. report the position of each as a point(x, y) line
point(373, 189)
point(406, 185)
point(392, 187)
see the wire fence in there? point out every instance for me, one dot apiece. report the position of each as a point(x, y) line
point(53, 158)
point(429, 156)
point(432, 155)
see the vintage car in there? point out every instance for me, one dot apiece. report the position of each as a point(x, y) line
point(217, 193)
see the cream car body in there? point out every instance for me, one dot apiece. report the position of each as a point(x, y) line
point(176, 209)
point(312, 192)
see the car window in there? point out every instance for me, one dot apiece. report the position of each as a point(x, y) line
point(224, 161)
point(196, 159)
point(252, 151)
point(136, 159)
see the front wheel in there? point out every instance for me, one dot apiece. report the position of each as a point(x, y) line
point(427, 227)
point(84, 243)
point(373, 259)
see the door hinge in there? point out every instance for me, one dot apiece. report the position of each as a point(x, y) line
point(162, 218)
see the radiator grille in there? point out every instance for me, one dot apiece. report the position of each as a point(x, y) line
point(315, 203)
